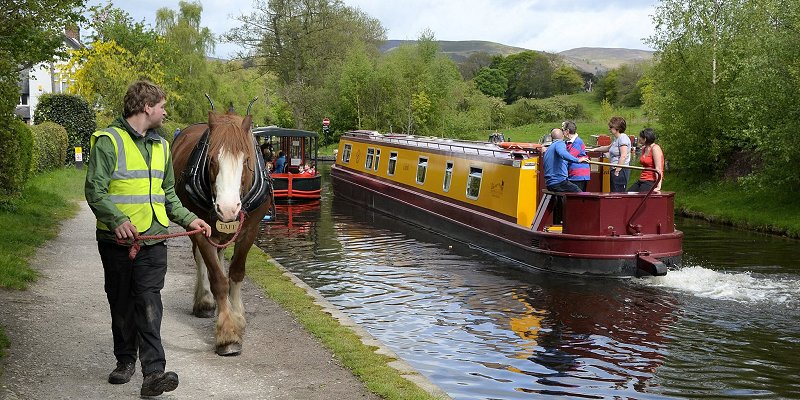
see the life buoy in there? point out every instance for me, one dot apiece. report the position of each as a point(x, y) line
point(518, 145)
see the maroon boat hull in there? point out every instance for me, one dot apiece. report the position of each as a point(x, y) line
point(601, 254)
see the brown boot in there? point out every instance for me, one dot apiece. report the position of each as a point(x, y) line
point(159, 382)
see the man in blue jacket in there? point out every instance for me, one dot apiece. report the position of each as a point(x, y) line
point(556, 164)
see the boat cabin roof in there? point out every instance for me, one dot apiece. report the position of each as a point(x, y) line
point(267, 131)
point(444, 144)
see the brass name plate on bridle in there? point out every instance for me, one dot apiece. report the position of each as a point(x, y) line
point(227, 227)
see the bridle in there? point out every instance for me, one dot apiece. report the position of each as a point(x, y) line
point(197, 183)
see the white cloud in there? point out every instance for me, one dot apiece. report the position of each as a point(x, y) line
point(549, 25)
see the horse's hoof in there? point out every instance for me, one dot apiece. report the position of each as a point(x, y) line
point(204, 312)
point(230, 349)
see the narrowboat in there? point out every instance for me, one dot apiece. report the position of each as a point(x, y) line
point(490, 195)
point(293, 183)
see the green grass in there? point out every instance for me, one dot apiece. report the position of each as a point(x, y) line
point(371, 368)
point(31, 219)
point(726, 202)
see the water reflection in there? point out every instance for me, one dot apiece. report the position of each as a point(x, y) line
point(482, 329)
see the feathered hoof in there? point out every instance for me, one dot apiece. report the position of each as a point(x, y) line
point(204, 312)
point(230, 349)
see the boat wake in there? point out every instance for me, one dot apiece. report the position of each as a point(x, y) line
point(739, 286)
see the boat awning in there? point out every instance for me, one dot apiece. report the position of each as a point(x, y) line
point(267, 131)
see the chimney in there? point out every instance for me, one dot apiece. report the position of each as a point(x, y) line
point(73, 32)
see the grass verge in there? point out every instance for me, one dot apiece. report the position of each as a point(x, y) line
point(30, 220)
point(369, 367)
point(726, 202)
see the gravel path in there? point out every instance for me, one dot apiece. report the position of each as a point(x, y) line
point(61, 346)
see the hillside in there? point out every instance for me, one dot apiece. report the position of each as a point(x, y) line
point(600, 59)
point(459, 50)
point(588, 59)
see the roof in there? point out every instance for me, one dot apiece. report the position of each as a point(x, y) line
point(266, 131)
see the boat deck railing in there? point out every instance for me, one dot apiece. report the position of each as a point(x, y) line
point(452, 145)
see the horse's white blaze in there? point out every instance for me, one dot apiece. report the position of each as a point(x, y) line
point(228, 185)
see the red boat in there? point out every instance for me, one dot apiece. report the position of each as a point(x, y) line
point(293, 183)
point(489, 195)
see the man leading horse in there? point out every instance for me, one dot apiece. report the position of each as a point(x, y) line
point(130, 189)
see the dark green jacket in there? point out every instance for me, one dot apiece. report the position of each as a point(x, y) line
point(101, 164)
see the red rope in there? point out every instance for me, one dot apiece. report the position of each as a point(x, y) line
point(136, 243)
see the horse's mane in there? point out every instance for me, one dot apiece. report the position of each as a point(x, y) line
point(227, 132)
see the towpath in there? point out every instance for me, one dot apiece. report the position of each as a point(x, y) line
point(61, 345)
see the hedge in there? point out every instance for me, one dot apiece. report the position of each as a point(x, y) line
point(73, 113)
point(49, 146)
point(531, 111)
point(16, 143)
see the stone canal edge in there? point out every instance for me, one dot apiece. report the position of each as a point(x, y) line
point(61, 346)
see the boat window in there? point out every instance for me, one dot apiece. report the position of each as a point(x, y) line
point(422, 168)
point(377, 158)
point(296, 153)
point(346, 153)
point(448, 176)
point(370, 158)
point(392, 163)
point(474, 182)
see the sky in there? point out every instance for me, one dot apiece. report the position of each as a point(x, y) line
point(544, 25)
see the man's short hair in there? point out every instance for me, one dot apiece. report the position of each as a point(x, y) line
point(141, 94)
point(569, 126)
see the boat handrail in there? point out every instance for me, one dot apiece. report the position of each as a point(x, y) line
point(631, 228)
point(466, 148)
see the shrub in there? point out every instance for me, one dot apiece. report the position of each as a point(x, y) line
point(15, 156)
point(49, 146)
point(73, 113)
point(531, 111)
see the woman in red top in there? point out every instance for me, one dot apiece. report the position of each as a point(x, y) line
point(652, 157)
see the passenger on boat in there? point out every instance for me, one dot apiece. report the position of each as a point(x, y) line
point(308, 170)
point(556, 161)
point(266, 151)
point(579, 173)
point(268, 167)
point(652, 157)
point(620, 153)
point(280, 163)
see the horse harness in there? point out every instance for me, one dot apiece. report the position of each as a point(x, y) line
point(198, 187)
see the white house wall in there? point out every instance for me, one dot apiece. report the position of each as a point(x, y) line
point(41, 82)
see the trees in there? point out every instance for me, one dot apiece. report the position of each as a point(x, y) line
point(119, 52)
point(298, 40)
point(183, 56)
point(31, 31)
point(491, 82)
point(727, 79)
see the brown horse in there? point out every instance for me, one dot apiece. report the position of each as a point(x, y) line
point(219, 174)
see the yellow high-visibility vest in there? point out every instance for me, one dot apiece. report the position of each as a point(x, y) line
point(135, 187)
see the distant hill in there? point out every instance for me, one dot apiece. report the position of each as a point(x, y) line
point(601, 59)
point(459, 50)
point(588, 59)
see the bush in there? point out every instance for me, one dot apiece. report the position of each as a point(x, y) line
point(49, 146)
point(15, 156)
point(73, 113)
point(530, 111)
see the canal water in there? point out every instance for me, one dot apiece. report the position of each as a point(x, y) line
point(725, 326)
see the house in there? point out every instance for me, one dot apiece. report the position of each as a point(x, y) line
point(44, 78)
